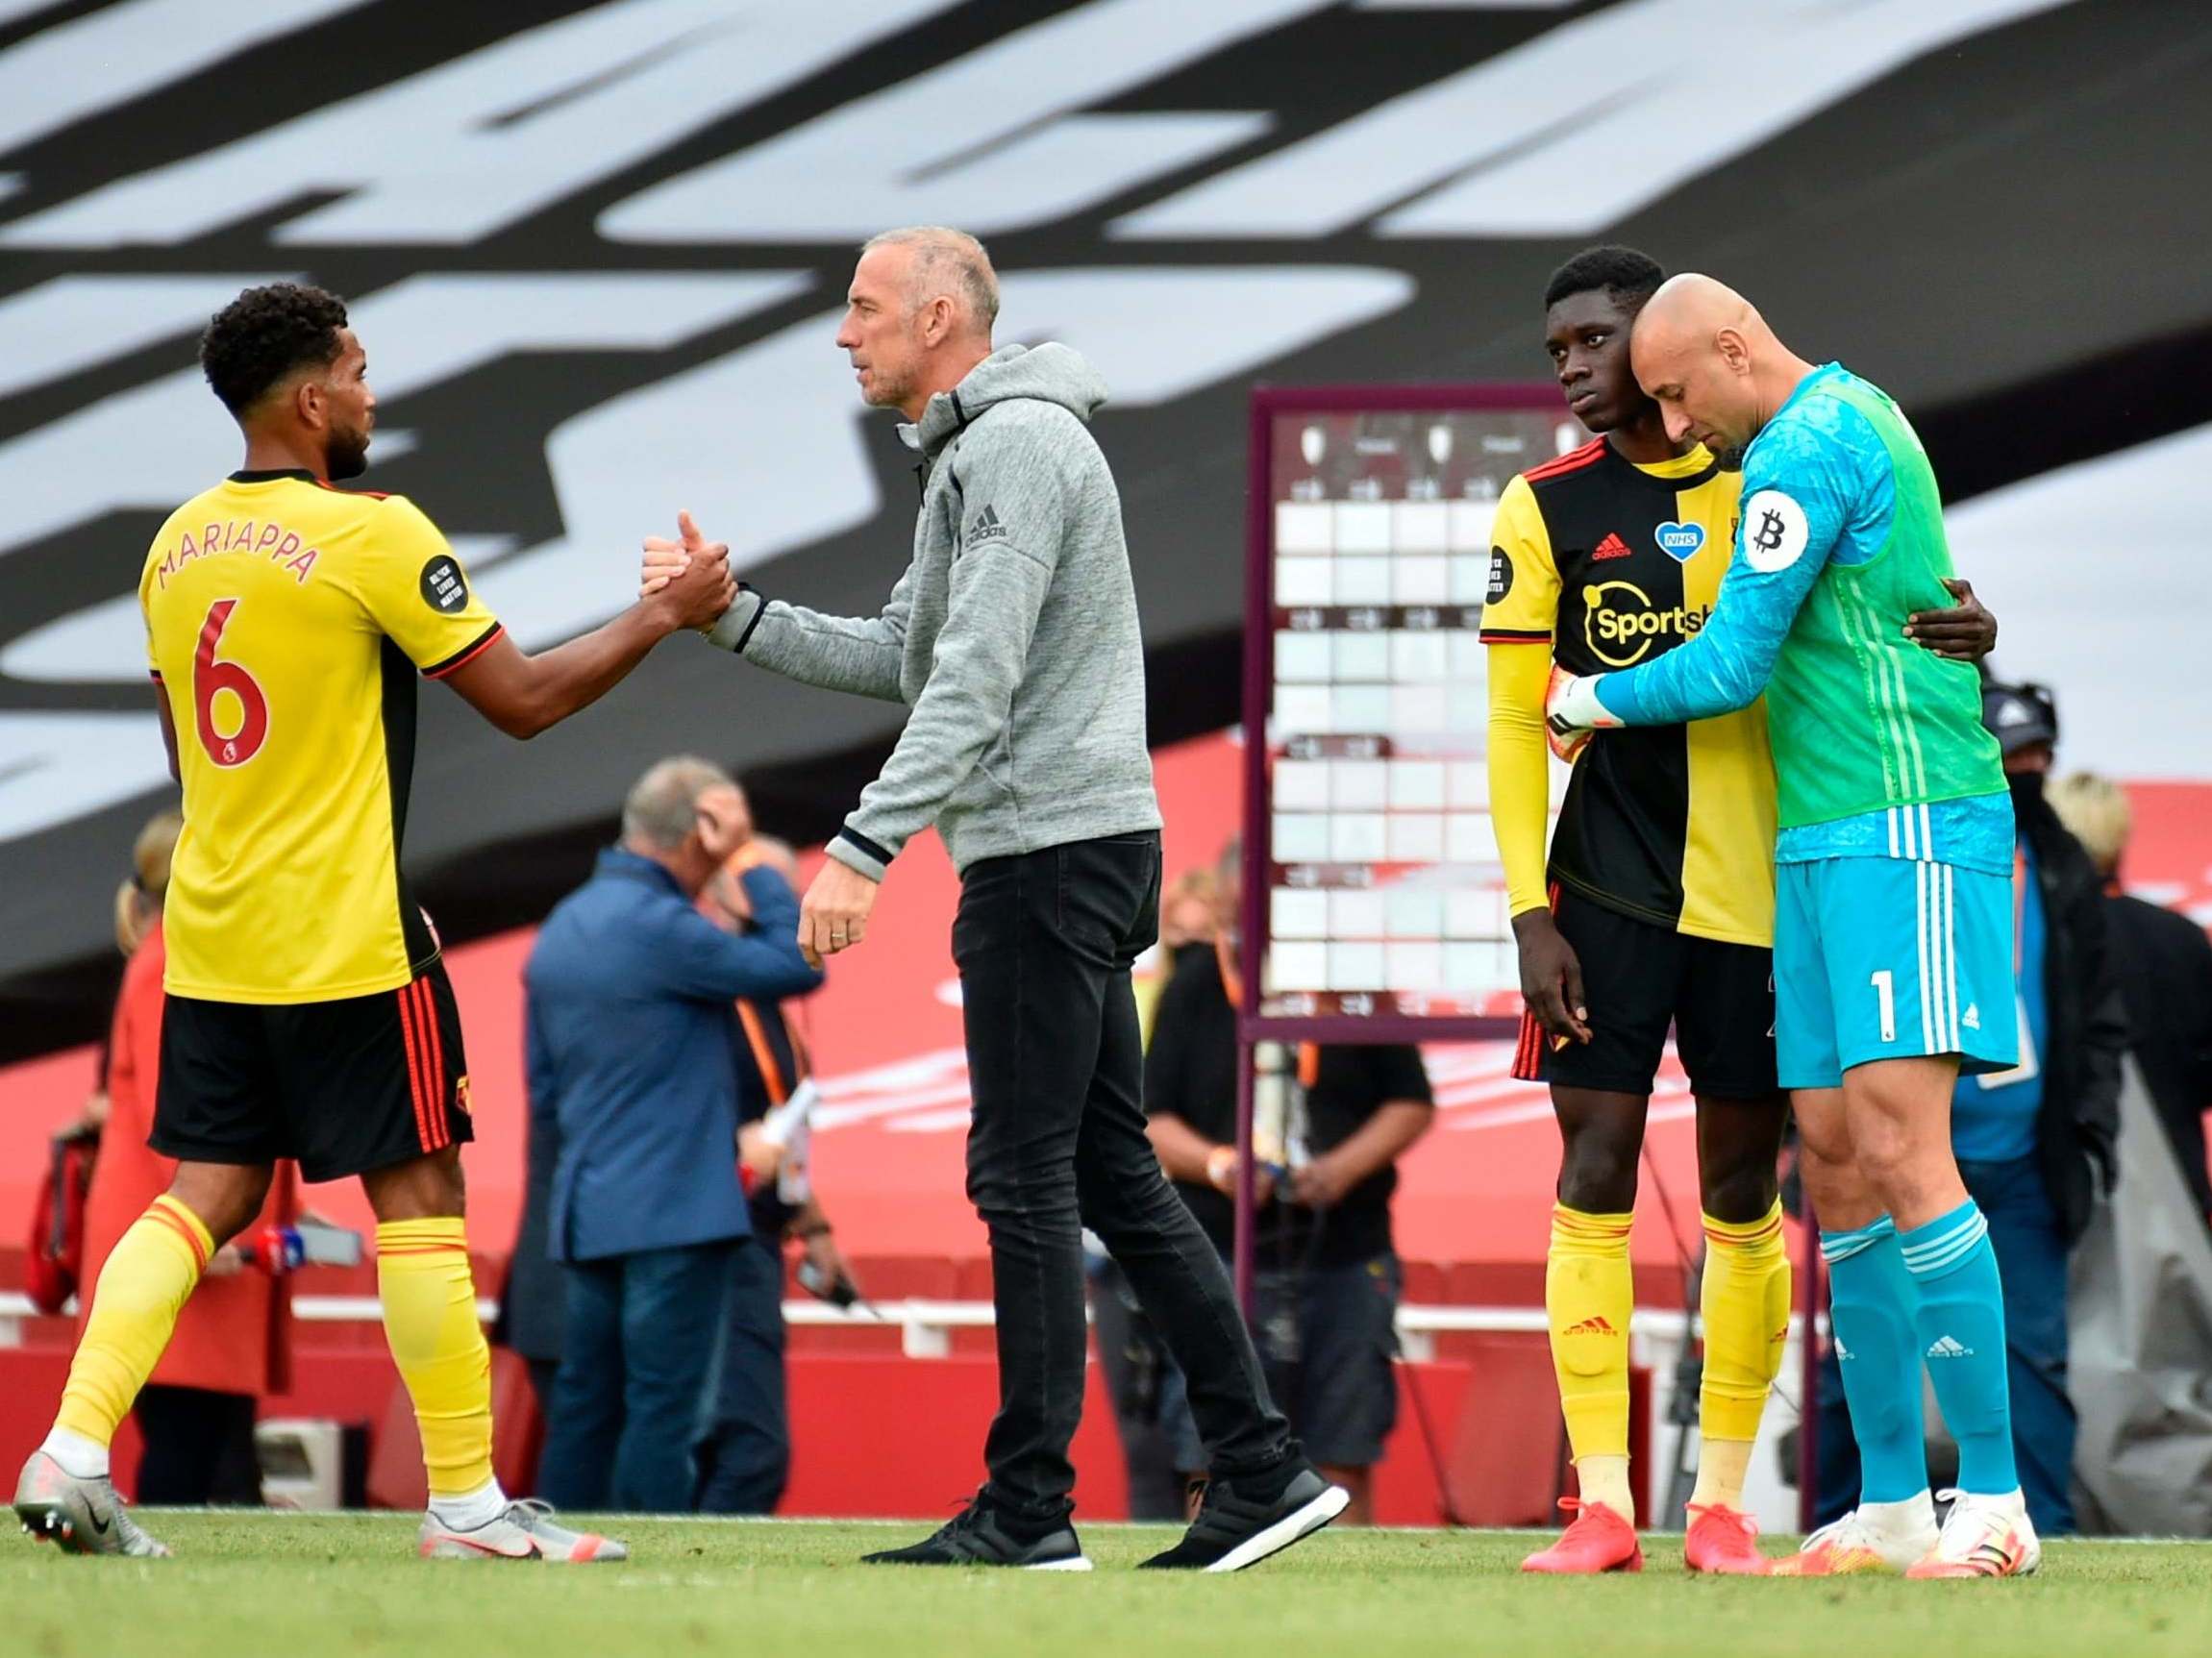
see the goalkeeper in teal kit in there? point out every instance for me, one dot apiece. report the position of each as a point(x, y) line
point(1894, 922)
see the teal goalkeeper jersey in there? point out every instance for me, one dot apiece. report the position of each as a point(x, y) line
point(1879, 745)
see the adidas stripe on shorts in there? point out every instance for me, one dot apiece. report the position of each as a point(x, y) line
point(1888, 959)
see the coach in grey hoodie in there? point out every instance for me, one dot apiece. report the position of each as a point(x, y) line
point(1013, 639)
point(1012, 635)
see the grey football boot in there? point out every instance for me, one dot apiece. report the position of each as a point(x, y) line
point(82, 1516)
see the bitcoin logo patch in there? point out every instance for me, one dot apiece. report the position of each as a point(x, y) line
point(1775, 531)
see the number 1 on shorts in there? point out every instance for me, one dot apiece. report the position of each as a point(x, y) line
point(1885, 994)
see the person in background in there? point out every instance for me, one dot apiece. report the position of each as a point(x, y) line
point(2164, 963)
point(1186, 912)
point(2034, 1144)
point(1328, 1280)
point(533, 1305)
point(232, 1347)
point(744, 1453)
point(1187, 915)
point(628, 1032)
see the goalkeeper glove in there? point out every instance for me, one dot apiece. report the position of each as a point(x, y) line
point(1573, 713)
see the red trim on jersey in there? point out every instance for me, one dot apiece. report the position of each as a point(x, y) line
point(1515, 637)
point(364, 494)
point(1574, 460)
point(454, 664)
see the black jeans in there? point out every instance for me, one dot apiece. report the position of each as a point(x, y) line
point(1044, 944)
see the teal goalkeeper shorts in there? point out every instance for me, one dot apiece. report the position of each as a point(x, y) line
point(1885, 958)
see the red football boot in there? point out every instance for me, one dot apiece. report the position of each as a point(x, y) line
point(1598, 1540)
point(1722, 1541)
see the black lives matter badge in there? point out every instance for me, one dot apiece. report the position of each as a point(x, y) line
point(444, 588)
point(1501, 575)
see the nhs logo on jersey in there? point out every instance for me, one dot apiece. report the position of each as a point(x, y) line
point(1680, 541)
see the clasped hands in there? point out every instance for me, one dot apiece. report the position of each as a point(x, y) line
point(667, 561)
point(834, 915)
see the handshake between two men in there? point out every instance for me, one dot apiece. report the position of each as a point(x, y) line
point(834, 915)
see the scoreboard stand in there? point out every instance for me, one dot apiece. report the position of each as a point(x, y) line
point(1373, 904)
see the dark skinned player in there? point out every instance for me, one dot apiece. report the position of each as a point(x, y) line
point(1654, 910)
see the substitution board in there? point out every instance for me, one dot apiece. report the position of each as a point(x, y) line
point(1374, 901)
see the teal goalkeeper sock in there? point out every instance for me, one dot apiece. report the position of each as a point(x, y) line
point(1871, 1300)
point(1961, 1328)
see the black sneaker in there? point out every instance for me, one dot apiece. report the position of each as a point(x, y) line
point(1247, 1518)
point(979, 1535)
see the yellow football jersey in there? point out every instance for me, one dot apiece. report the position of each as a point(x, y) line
point(286, 621)
point(1612, 563)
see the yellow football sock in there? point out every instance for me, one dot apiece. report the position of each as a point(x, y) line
point(1746, 1314)
point(430, 1321)
point(142, 1288)
point(1589, 1292)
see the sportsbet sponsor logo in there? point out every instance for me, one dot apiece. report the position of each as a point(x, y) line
point(1621, 622)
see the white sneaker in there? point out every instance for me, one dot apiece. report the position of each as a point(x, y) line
point(81, 1516)
point(1984, 1537)
point(522, 1531)
point(1875, 1537)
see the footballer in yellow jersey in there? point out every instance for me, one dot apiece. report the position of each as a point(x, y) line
point(287, 620)
point(1651, 910)
point(307, 1014)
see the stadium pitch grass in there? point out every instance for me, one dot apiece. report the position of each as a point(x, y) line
point(272, 1583)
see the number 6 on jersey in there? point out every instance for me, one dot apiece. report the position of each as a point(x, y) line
point(210, 677)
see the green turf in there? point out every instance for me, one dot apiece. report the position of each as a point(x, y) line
point(264, 1586)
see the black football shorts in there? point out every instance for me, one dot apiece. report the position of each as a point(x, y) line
point(343, 1086)
point(1638, 979)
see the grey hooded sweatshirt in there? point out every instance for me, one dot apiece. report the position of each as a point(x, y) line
point(1012, 635)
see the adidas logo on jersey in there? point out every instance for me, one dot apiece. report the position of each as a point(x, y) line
point(1972, 1017)
point(1594, 1326)
point(986, 526)
point(1612, 547)
point(1945, 1347)
point(1842, 1352)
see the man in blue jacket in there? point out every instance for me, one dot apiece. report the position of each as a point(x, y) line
point(629, 992)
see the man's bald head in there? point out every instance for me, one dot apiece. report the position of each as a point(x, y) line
point(1705, 356)
point(1690, 307)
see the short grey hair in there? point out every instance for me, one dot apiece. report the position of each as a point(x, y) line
point(946, 262)
point(662, 807)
